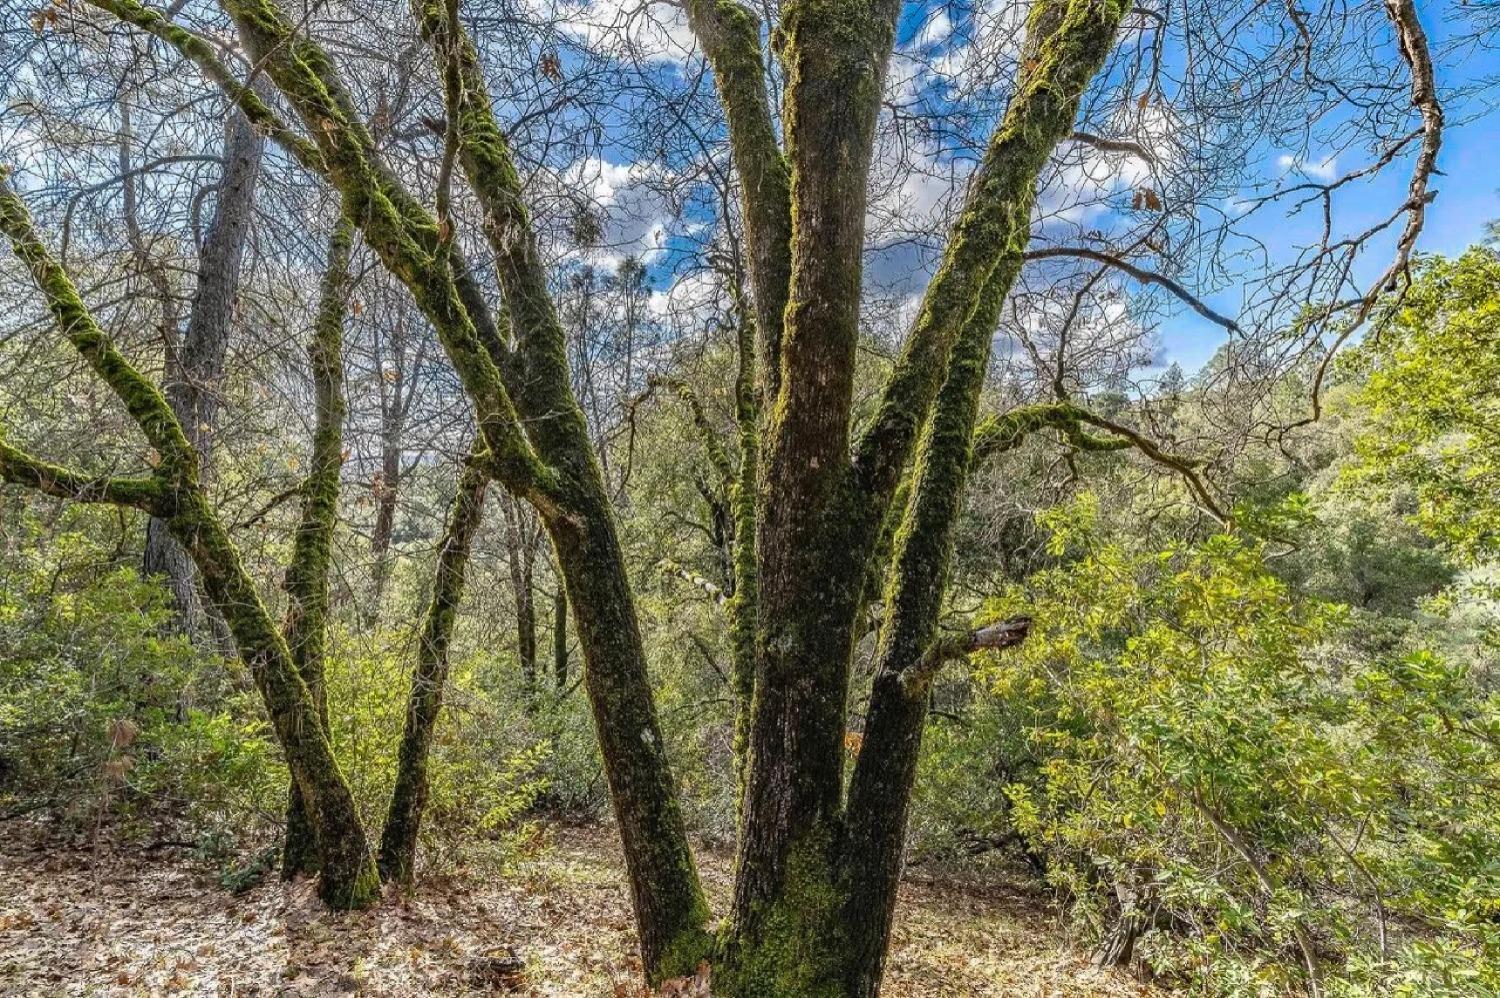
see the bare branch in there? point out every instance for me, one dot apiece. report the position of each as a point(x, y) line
point(991, 637)
point(1140, 274)
point(200, 52)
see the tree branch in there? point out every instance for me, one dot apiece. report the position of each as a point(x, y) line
point(196, 49)
point(1067, 42)
point(1140, 274)
point(485, 155)
point(730, 35)
point(21, 468)
point(717, 455)
point(1113, 145)
point(144, 402)
point(991, 637)
point(1003, 433)
point(1411, 41)
point(403, 233)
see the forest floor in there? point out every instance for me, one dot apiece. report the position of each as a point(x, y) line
point(133, 921)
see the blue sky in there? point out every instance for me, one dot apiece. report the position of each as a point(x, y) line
point(1467, 193)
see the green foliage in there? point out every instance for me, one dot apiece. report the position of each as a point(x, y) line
point(104, 714)
point(1205, 739)
point(1434, 430)
point(489, 762)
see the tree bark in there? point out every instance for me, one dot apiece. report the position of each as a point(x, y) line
point(813, 538)
point(671, 912)
point(398, 841)
point(195, 366)
point(306, 584)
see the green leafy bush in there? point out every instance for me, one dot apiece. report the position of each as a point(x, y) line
point(105, 714)
point(1272, 804)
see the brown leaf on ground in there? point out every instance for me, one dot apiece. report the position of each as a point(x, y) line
point(122, 922)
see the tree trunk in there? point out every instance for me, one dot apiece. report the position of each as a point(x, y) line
point(671, 912)
point(815, 886)
point(1132, 913)
point(1067, 41)
point(560, 635)
point(347, 874)
point(387, 489)
point(306, 584)
point(398, 842)
point(880, 791)
point(547, 460)
point(520, 556)
point(813, 536)
point(195, 367)
point(744, 607)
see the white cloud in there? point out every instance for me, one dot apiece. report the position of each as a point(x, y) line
point(1323, 169)
point(602, 179)
point(648, 30)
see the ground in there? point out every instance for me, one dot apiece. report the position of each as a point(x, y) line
point(151, 921)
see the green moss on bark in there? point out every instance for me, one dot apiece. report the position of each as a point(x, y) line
point(398, 841)
point(796, 948)
point(306, 583)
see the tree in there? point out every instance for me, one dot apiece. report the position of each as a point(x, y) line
point(306, 583)
point(195, 364)
point(174, 492)
point(1430, 396)
point(398, 840)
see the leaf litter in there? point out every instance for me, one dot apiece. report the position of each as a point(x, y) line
point(122, 921)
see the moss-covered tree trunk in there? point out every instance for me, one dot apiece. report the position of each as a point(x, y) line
point(815, 883)
point(671, 913)
point(174, 493)
point(549, 459)
point(306, 583)
point(398, 841)
point(813, 532)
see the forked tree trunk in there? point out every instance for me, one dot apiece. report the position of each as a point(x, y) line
point(816, 884)
point(398, 842)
